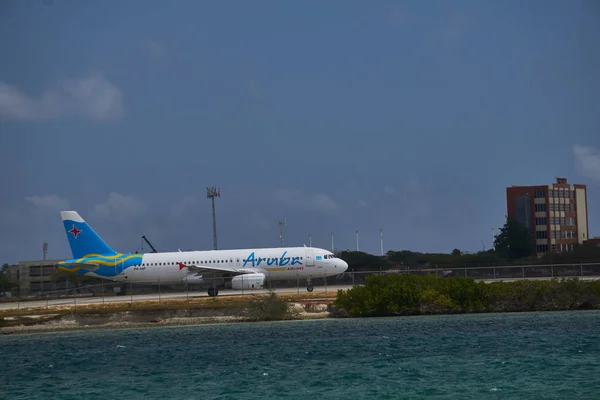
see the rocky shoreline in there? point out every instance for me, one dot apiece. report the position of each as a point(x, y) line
point(53, 322)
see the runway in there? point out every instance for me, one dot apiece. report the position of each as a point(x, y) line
point(329, 291)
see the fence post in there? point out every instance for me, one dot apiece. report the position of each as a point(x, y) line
point(523, 271)
point(581, 267)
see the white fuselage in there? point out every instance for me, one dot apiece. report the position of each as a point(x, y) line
point(278, 263)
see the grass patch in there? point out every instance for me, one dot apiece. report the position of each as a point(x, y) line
point(156, 305)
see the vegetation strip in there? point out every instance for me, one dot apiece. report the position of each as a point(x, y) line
point(413, 295)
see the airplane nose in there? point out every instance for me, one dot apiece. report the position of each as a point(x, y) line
point(343, 265)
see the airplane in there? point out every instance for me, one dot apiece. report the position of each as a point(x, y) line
point(247, 268)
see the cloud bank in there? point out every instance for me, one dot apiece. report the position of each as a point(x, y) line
point(587, 159)
point(92, 97)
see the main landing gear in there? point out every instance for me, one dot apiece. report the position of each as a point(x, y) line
point(308, 285)
point(213, 292)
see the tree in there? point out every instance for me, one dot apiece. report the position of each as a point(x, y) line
point(357, 260)
point(457, 252)
point(514, 241)
point(5, 285)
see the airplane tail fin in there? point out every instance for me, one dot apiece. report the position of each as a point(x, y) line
point(82, 238)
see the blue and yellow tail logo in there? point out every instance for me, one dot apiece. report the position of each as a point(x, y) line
point(82, 238)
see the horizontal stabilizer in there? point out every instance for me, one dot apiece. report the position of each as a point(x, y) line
point(87, 267)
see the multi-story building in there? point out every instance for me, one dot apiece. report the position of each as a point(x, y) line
point(556, 215)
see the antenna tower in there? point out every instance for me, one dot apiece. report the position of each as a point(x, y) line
point(211, 193)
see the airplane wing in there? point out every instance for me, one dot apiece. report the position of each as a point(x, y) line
point(217, 272)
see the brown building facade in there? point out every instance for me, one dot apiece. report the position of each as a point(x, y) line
point(556, 215)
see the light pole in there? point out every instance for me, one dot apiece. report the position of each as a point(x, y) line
point(332, 247)
point(357, 240)
point(309, 240)
point(281, 225)
point(381, 234)
point(211, 193)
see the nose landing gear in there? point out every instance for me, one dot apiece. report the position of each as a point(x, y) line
point(308, 285)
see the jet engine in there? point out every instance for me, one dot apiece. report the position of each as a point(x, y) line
point(248, 281)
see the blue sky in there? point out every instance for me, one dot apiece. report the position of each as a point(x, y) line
point(342, 115)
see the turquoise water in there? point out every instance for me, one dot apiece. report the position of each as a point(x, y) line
point(492, 356)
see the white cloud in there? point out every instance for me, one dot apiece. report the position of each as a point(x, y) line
point(319, 202)
point(91, 97)
point(415, 198)
point(454, 26)
point(322, 202)
point(49, 202)
point(184, 206)
point(253, 89)
point(587, 159)
point(388, 189)
point(157, 49)
point(363, 203)
point(259, 221)
point(120, 208)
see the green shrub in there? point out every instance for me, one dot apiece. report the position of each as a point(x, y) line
point(269, 308)
point(412, 294)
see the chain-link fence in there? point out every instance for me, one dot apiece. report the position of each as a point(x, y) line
point(101, 292)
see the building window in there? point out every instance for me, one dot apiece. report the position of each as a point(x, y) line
point(540, 221)
point(542, 248)
point(541, 234)
point(554, 248)
point(540, 207)
point(561, 207)
point(539, 194)
point(572, 207)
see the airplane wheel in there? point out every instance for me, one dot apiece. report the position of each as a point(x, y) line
point(213, 292)
point(309, 288)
